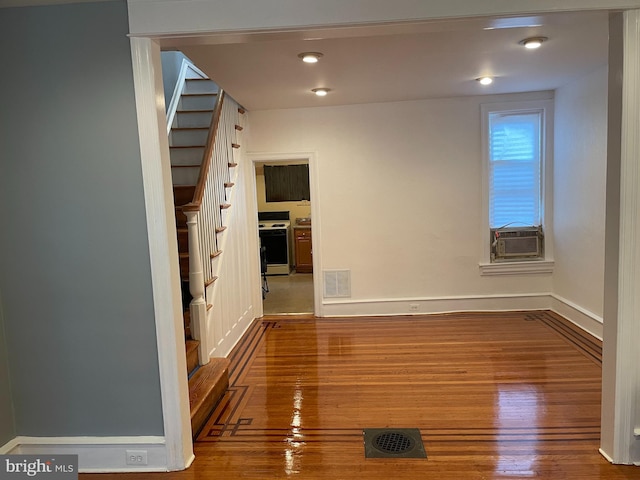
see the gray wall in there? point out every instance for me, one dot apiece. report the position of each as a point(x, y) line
point(7, 425)
point(171, 63)
point(74, 259)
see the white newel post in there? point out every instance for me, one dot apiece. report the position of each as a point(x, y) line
point(198, 306)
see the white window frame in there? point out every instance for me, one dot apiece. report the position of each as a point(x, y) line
point(525, 266)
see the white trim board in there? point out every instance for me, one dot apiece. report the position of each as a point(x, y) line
point(314, 184)
point(581, 317)
point(183, 17)
point(163, 251)
point(177, 91)
point(98, 454)
point(9, 446)
point(427, 305)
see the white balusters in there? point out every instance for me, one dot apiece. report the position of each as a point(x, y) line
point(204, 215)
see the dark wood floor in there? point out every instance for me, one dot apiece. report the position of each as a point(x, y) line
point(495, 396)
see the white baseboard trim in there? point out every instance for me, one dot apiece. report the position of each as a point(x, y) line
point(97, 454)
point(231, 338)
point(426, 305)
point(9, 446)
point(582, 317)
point(604, 454)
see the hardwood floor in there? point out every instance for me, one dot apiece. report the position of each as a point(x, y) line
point(495, 396)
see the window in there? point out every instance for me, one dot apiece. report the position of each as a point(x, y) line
point(514, 169)
point(516, 229)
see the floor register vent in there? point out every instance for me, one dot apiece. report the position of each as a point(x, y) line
point(393, 443)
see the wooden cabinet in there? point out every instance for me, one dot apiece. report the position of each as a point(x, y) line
point(304, 254)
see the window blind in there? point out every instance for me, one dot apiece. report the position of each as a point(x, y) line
point(514, 169)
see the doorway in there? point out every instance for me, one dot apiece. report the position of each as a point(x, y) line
point(284, 211)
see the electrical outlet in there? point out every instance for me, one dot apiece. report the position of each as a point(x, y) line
point(136, 457)
point(414, 307)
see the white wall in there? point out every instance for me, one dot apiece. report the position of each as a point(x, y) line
point(399, 197)
point(171, 65)
point(580, 163)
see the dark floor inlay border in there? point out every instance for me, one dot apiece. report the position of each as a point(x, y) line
point(393, 443)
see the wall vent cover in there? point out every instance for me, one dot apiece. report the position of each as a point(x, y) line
point(337, 283)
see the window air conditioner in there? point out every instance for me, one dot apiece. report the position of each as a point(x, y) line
point(516, 243)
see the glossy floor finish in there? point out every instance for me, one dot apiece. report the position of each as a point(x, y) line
point(495, 396)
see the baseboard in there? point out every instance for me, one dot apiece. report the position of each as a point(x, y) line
point(426, 305)
point(9, 446)
point(604, 454)
point(235, 333)
point(97, 454)
point(582, 317)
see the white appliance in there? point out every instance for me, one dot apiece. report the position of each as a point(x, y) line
point(274, 229)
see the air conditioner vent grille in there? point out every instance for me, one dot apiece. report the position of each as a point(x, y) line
point(516, 243)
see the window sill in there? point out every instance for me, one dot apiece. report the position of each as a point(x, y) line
point(530, 267)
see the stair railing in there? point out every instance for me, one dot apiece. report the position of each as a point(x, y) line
point(204, 214)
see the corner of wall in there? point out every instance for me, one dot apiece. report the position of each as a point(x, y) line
point(7, 408)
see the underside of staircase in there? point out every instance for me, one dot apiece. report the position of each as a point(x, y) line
point(187, 140)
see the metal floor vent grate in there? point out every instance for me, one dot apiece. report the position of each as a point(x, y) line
point(393, 443)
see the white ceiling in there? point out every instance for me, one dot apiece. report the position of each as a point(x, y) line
point(395, 62)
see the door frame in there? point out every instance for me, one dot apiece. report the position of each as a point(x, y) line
point(311, 159)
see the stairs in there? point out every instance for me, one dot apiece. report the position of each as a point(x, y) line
point(187, 142)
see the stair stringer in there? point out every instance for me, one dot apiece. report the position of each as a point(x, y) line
point(187, 70)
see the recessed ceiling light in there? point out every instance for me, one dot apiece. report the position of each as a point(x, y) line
point(321, 92)
point(310, 57)
point(485, 80)
point(533, 42)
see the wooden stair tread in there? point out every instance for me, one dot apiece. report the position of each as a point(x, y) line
point(215, 254)
point(232, 164)
point(239, 128)
point(241, 111)
point(224, 206)
point(206, 387)
point(235, 145)
point(210, 281)
point(229, 184)
point(220, 229)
